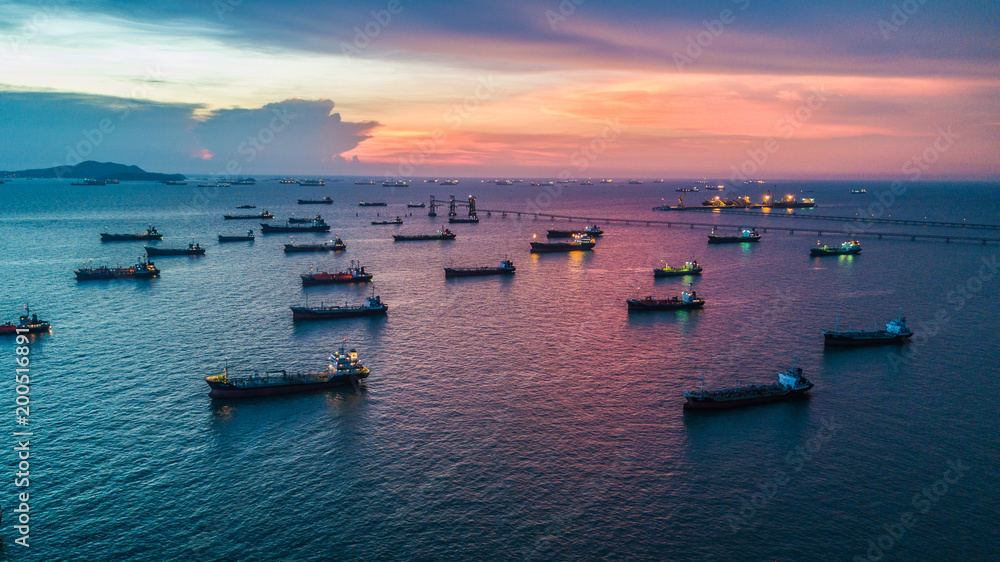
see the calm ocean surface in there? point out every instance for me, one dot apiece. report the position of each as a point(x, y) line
point(519, 418)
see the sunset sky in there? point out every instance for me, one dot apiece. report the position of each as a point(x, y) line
point(587, 88)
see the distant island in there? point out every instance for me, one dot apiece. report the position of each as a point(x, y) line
point(95, 170)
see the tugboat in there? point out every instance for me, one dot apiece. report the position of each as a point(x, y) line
point(420, 205)
point(150, 234)
point(579, 242)
point(791, 384)
point(325, 247)
point(846, 248)
point(262, 215)
point(354, 274)
point(142, 270)
point(317, 219)
point(26, 325)
point(323, 201)
point(192, 250)
point(895, 332)
point(506, 267)
point(248, 238)
point(744, 235)
point(370, 204)
point(373, 306)
point(338, 245)
point(441, 234)
point(288, 227)
point(396, 220)
point(687, 301)
point(689, 268)
point(344, 369)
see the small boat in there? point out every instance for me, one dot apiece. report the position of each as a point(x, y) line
point(354, 274)
point(323, 201)
point(192, 250)
point(145, 269)
point(312, 183)
point(441, 234)
point(150, 234)
point(287, 227)
point(344, 369)
point(579, 242)
point(861, 191)
point(463, 220)
point(338, 245)
point(28, 323)
point(370, 204)
point(895, 332)
point(846, 248)
point(248, 238)
point(246, 206)
point(416, 205)
point(263, 215)
point(396, 183)
point(791, 384)
point(689, 268)
point(317, 220)
point(373, 306)
point(506, 267)
point(687, 301)
point(744, 235)
point(396, 220)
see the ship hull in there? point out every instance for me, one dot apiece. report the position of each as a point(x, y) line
point(301, 313)
point(289, 249)
point(158, 252)
point(709, 404)
point(303, 202)
point(223, 391)
point(453, 220)
point(838, 340)
point(246, 217)
point(269, 229)
point(236, 238)
point(84, 276)
point(129, 237)
point(306, 280)
point(730, 239)
point(662, 273)
point(453, 272)
point(12, 329)
point(398, 238)
point(818, 252)
point(639, 306)
point(542, 247)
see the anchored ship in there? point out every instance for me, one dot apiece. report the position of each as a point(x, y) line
point(262, 215)
point(396, 220)
point(288, 227)
point(317, 219)
point(142, 270)
point(28, 323)
point(323, 201)
point(441, 234)
point(593, 231)
point(789, 202)
point(324, 247)
point(895, 332)
point(687, 301)
point(371, 204)
point(150, 234)
point(689, 268)
point(344, 369)
point(420, 205)
point(354, 274)
point(791, 384)
point(744, 235)
point(397, 183)
point(248, 238)
point(506, 267)
point(192, 250)
point(846, 248)
point(373, 306)
point(579, 242)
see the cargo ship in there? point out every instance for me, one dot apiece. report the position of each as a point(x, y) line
point(370, 204)
point(248, 238)
point(741, 202)
point(506, 267)
point(246, 206)
point(150, 234)
point(441, 234)
point(846, 248)
point(397, 183)
point(354, 274)
point(689, 268)
point(373, 306)
point(364, 182)
point(791, 384)
point(861, 191)
point(91, 182)
point(314, 183)
point(143, 270)
point(744, 235)
point(317, 219)
point(244, 181)
point(324, 247)
point(396, 220)
point(593, 231)
point(28, 323)
point(416, 205)
point(460, 220)
point(687, 301)
point(262, 215)
point(192, 250)
point(344, 369)
point(449, 182)
point(895, 332)
point(579, 242)
point(288, 227)
point(789, 202)
point(323, 201)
